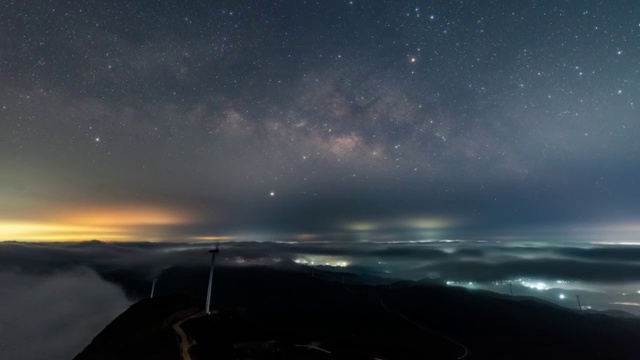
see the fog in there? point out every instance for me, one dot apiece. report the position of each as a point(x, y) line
point(54, 315)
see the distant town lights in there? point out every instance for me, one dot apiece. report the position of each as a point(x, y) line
point(322, 260)
point(535, 285)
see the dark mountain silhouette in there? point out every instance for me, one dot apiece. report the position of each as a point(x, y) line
point(265, 313)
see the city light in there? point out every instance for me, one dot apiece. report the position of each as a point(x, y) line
point(330, 261)
point(535, 285)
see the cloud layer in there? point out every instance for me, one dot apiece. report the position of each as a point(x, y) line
point(45, 298)
point(439, 259)
point(54, 315)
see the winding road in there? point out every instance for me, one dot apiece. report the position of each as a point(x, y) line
point(186, 342)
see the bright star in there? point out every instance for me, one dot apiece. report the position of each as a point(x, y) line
point(272, 193)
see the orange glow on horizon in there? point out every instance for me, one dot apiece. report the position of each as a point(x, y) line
point(213, 238)
point(34, 231)
point(124, 223)
point(128, 216)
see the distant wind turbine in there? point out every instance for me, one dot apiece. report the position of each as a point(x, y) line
point(213, 261)
point(153, 287)
point(579, 305)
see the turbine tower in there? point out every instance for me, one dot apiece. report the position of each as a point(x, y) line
point(579, 305)
point(153, 287)
point(213, 261)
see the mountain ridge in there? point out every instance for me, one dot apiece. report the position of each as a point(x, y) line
point(275, 313)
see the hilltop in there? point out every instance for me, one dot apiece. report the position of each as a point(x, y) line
point(275, 314)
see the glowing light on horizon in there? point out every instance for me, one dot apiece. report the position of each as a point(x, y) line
point(212, 238)
point(362, 226)
point(416, 223)
point(429, 223)
point(304, 237)
point(127, 216)
point(617, 243)
point(124, 223)
point(626, 303)
point(32, 231)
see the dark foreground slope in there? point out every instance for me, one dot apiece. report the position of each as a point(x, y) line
point(144, 331)
point(270, 314)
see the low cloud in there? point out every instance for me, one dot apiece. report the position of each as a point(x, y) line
point(449, 259)
point(603, 271)
point(46, 299)
point(54, 315)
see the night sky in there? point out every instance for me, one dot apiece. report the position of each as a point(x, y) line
point(350, 120)
point(493, 145)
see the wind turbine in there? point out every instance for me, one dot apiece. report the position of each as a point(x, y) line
point(579, 305)
point(153, 287)
point(213, 261)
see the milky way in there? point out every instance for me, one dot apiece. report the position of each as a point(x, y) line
point(331, 119)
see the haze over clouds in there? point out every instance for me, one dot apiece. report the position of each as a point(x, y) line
point(474, 260)
point(603, 274)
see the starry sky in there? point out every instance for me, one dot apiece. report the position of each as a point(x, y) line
point(326, 120)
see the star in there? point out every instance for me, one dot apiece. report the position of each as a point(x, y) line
point(272, 194)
